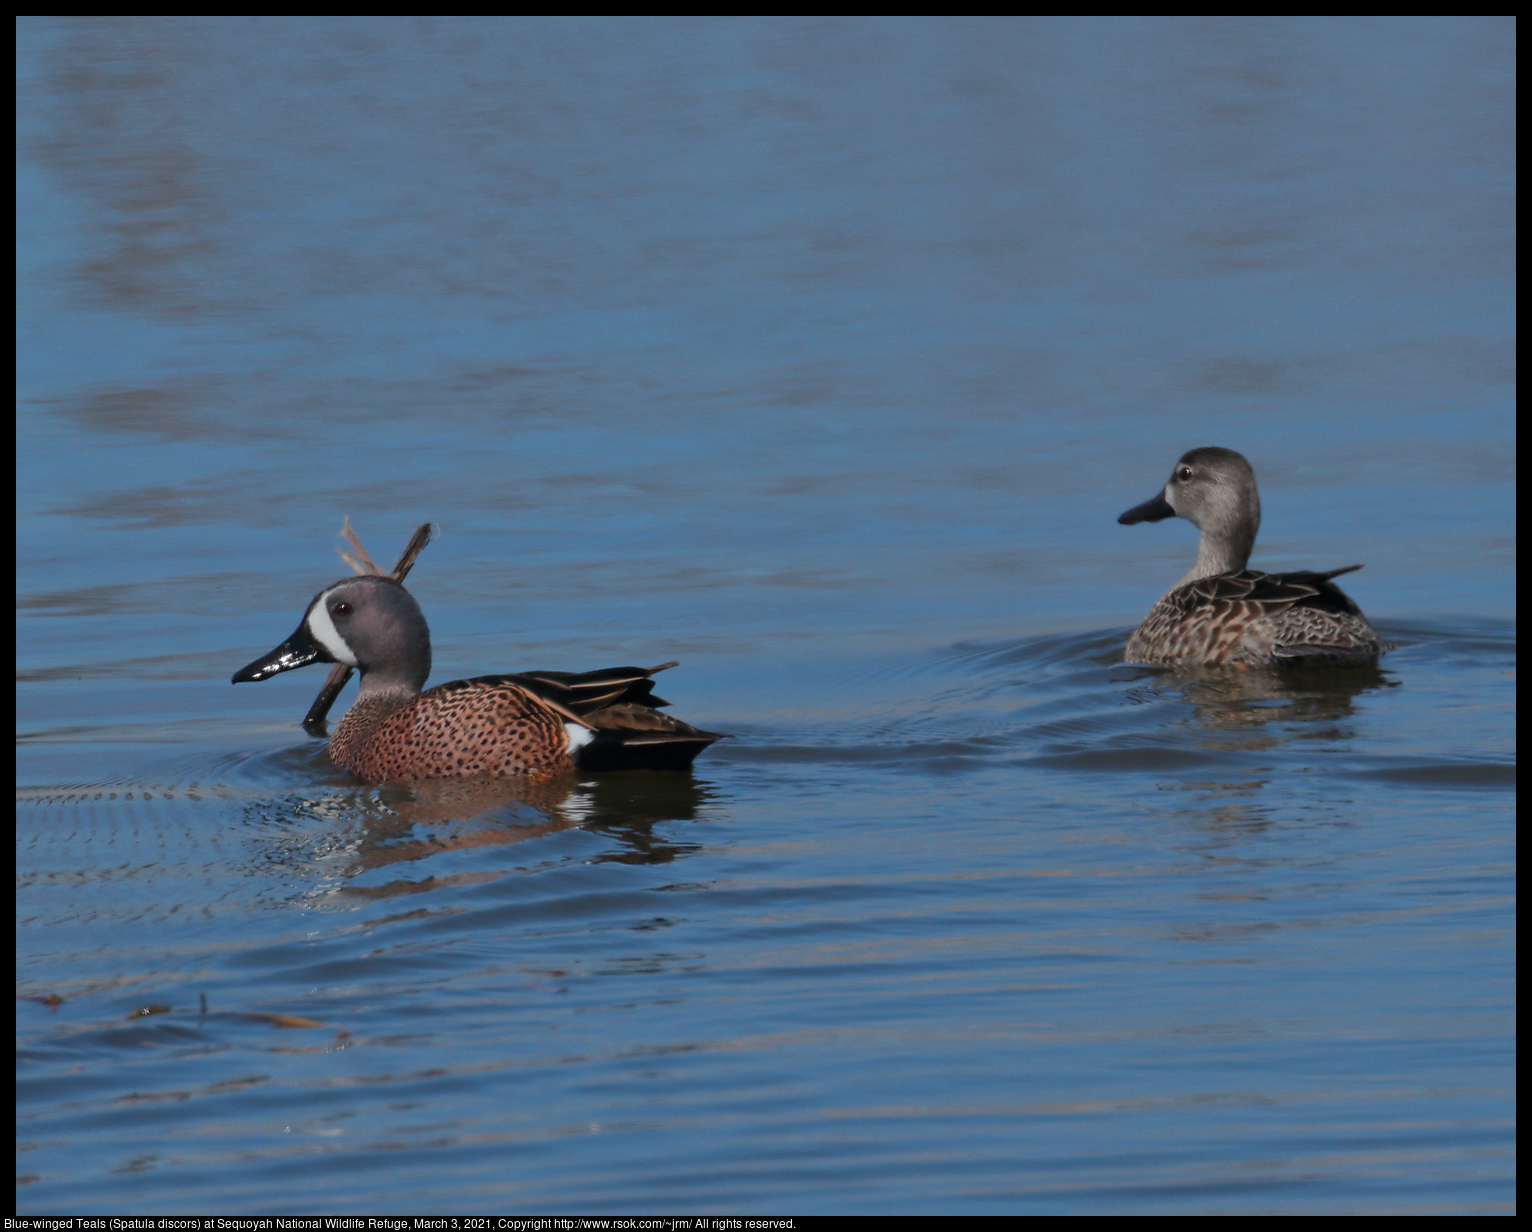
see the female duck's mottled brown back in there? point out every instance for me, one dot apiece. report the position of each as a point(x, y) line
point(1221, 614)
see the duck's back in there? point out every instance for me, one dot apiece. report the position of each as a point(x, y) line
point(1254, 619)
point(526, 725)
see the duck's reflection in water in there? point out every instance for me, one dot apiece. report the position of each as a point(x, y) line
point(398, 824)
point(1278, 715)
point(1251, 702)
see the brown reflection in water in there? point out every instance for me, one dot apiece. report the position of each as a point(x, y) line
point(1237, 711)
point(402, 823)
point(1249, 701)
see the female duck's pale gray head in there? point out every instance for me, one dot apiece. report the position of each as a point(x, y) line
point(1214, 490)
point(370, 623)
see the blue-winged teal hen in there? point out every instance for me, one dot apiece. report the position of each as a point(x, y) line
point(530, 724)
point(1224, 615)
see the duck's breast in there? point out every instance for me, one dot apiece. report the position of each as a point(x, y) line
point(456, 730)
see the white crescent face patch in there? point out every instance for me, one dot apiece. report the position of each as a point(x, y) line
point(322, 629)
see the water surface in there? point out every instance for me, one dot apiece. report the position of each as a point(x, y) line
point(820, 354)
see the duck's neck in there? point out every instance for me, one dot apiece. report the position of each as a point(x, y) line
point(390, 684)
point(1226, 552)
point(369, 709)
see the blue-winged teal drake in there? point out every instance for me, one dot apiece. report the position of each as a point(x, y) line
point(1224, 615)
point(530, 724)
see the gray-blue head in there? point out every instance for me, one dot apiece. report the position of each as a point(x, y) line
point(370, 623)
point(1213, 489)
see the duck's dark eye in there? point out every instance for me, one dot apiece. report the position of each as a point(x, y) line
point(342, 609)
point(1183, 473)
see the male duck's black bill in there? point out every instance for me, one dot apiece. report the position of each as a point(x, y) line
point(297, 651)
point(1156, 509)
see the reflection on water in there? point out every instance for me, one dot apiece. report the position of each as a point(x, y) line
point(369, 828)
point(1254, 699)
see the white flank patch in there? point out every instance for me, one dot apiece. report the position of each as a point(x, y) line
point(322, 629)
point(579, 736)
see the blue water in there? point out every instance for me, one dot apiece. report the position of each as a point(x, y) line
point(820, 354)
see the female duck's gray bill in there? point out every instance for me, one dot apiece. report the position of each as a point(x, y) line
point(1156, 509)
point(297, 651)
